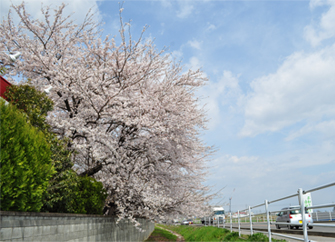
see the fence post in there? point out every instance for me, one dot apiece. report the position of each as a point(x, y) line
point(250, 220)
point(302, 209)
point(224, 222)
point(231, 223)
point(268, 219)
point(239, 225)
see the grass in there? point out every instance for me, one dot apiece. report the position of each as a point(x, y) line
point(161, 235)
point(193, 233)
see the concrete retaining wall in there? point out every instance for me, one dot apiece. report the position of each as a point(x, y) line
point(26, 226)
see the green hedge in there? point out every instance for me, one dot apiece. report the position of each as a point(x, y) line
point(26, 166)
point(74, 194)
point(66, 191)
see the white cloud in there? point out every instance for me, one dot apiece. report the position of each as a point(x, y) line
point(257, 178)
point(233, 165)
point(78, 8)
point(195, 44)
point(327, 128)
point(177, 54)
point(193, 64)
point(325, 29)
point(302, 89)
point(166, 3)
point(243, 160)
point(210, 27)
point(186, 8)
point(225, 92)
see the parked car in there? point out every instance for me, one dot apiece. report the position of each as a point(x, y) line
point(292, 217)
point(187, 222)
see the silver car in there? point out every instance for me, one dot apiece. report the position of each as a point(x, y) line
point(292, 217)
point(187, 222)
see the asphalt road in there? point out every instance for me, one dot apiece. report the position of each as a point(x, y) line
point(264, 226)
point(316, 231)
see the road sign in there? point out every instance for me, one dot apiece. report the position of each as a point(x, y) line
point(308, 201)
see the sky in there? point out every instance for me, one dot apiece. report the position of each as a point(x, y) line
point(270, 98)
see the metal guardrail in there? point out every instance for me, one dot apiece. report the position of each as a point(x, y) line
point(316, 216)
point(323, 216)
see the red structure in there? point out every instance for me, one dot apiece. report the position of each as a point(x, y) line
point(3, 85)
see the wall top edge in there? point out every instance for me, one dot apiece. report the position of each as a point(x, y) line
point(38, 214)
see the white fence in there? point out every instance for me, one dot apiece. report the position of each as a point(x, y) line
point(268, 218)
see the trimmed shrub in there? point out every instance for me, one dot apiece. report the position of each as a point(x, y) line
point(66, 191)
point(26, 166)
point(74, 194)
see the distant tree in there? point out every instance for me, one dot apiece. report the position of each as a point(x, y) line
point(129, 111)
point(25, 159)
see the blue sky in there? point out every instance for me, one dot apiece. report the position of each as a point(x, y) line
point(270, 96)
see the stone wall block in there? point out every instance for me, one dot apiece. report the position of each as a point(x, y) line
point(5, 234)
point(38, 230)
point(17, 232)
point(28, 232)
point(46, 230)
point(6, 223)
point(54, 229)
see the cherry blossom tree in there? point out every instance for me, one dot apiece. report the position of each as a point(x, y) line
point(129, 110)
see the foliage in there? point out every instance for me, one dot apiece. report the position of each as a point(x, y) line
point(233, 236)
point(160, 234)
point(75, 194)
point(25, 159)
point(128, 110)
point(192, 233)
point(259, 237)
point(209, 233)
point(2, 70)
point(66, 192)
point(34, 103)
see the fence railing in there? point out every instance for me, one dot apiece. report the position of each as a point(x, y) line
point(323, 216)
point(268, 218)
